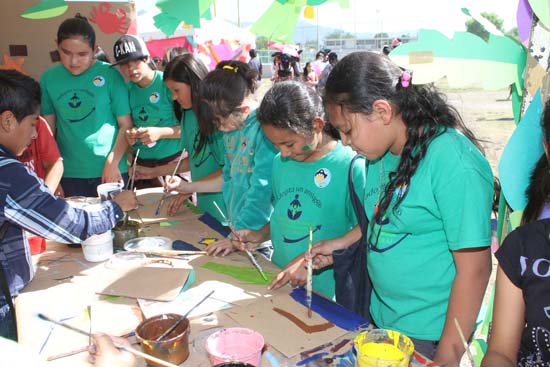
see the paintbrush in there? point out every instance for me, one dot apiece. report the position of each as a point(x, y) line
point(68, 354)
point(131, 186)
point(180, 320)
point(90, 317)
point(468, 353)
point(309, 281)
point(133, 177)
point(236, 236)
point(165, 195)
point(117, 345)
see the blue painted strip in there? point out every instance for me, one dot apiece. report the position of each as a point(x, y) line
point(312, 358)
point(213, 223)
point(331, 311)
point(183, 246)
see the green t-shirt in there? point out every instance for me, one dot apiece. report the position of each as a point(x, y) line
point(86, 107)
point(208, 160)
point(153, 106)
point(316, 194)
point(447, 208)
point(247, 175)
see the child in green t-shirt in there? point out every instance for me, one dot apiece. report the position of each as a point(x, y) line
point(428, 200)
point(228, 105)
point(86, 104)
point(309, 180)
point(182, 75)
point(151, 106)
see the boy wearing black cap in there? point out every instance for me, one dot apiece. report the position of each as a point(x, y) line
point(151, 107)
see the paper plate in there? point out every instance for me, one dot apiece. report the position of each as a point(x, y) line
point(153, 243)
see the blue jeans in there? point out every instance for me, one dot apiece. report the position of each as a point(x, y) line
point(83, 186)
point(7, 323)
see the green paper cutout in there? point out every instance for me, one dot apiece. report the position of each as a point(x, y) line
point(466, 60)
point(277, 23)
point(166, 23)
point(170, 223)
point(173, 12)
point(46, 9)
point(540, 8)
point(245, 274)
point(279, 20)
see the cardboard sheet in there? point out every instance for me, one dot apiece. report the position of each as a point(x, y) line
point(148, 202)
point(152, 283)
point(286, 337)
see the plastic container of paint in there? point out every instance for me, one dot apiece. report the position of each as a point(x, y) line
point(383, 348)
point(98, 247)
point(236, 344)
point(109, 190)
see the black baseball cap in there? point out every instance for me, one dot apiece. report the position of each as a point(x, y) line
point(129, 48)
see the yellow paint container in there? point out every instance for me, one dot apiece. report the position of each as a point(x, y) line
point(383, 348)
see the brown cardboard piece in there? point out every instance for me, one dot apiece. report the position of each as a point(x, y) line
point(277, 330)
point(149, 200)
point(152, 283)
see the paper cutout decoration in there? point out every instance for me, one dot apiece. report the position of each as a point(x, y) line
point(10, 63)
point(244, 274)
point(110, 21)
point(151, 283)
point(524, 19)
point(521, 154)
point(287, 338)
point(466, 60)
point(18, 50)
point(279, 20)
point(173, 12)
point(157, 48)
point(541, 10)
point(45, 9)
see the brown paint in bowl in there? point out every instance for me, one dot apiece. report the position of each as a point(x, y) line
point(173, 348)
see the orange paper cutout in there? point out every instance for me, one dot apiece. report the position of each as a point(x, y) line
point(10, 63)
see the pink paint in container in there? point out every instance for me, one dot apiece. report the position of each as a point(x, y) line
point(235, 345)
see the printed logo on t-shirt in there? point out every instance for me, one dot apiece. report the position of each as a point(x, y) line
point(142, 115)
point(99, 81)
point(294, 209)
point(76, 105)
point(322, 177)
point(154, 97)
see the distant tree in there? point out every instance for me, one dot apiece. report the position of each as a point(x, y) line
point(261, 42)
point(311, 44)
point(513, 33)
point(473, 26)
point(339, 34)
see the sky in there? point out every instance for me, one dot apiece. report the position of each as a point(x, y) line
point(370, 16)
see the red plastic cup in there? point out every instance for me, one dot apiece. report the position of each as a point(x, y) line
point(37, 244)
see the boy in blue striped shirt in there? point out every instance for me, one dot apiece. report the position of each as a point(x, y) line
point(25, 201)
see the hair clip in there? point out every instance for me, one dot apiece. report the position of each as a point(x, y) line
point(406, 79)
point(229, 67)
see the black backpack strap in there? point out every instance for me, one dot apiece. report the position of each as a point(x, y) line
point(4, 279)
point(356, 201)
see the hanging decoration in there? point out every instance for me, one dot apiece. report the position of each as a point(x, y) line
point(110, 21)
point(46, 9)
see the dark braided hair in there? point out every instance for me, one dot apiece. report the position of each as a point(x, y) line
point(222, 91)
point(294, 106)
point(538, 190)
point(361, 78)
